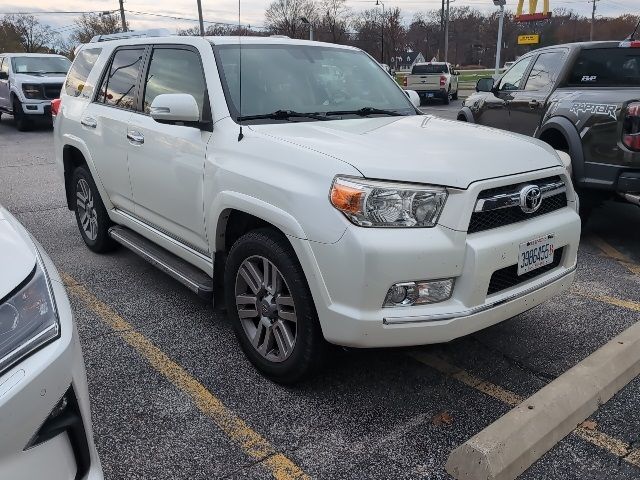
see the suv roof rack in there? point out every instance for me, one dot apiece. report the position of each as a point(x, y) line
point(152, 32)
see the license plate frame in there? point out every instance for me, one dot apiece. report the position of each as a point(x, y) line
point(536, 253)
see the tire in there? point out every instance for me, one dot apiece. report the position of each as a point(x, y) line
point(446, 99)
point(91, 215)
point(454, 96)
point(269, 312)
point(19, 118)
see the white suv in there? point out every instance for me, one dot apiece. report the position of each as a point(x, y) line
point(28, 83)
point(303, 183)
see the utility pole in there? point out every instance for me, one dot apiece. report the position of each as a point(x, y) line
point(378, 3)
point(124, 22)
point(441, 43)
point(499, 3)
point(593, 19)
point(446, 34)
point(201, 20)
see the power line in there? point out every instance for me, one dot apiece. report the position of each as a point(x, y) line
point(188, 19)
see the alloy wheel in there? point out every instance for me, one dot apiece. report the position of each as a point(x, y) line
point(266, 308)
point(86, 211)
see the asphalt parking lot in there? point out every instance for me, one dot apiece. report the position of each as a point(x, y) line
point(173, 397)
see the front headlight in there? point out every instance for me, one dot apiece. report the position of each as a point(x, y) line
point(28, 318)
point(371, 203)
point(32, 92)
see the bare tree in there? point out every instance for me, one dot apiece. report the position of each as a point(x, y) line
point(334, 20)
point(91, 24)
point(28, 34)
point(283, 17)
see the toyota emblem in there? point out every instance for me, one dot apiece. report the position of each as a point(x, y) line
point(530, 198)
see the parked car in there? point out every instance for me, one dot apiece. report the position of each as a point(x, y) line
point(580, 98)
point(286, 196)
point(44, 403)
point(28, 83)
point(433, 80)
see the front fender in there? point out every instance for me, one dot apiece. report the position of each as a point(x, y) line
point(466, 111)
point(567, 128)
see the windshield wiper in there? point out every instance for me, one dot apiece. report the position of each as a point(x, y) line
point(282, 115)
point(366, 111)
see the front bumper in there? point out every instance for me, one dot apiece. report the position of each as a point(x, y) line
point(40, 108)
point(28, 393)
point(349, 300)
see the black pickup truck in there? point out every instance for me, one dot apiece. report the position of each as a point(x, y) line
point(581, 98)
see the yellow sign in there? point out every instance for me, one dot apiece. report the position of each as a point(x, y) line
point(528, 39)
point(532, 16)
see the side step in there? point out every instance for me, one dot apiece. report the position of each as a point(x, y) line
point(631, 198)
point(191, 277)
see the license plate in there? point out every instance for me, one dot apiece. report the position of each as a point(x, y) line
point(430, 95)
point(535, 253)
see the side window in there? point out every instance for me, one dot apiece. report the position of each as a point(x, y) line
point(80, 70)
point(174, 71)
point(118, 87)
point(4, 67)
point(545, 71)
point(512, 80)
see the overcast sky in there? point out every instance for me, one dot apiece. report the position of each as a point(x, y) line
point(253, 10)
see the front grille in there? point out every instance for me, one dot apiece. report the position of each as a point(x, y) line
point(489, 219)
point(52, 91)
point(508, 277)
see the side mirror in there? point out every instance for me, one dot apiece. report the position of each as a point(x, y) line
point(413, 97)
point(4, 75)
point(484, 85)
point(175, 107)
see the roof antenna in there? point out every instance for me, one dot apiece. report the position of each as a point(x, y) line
point(633, 34)
point(240, 134)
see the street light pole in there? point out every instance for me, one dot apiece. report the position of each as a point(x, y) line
point(200, 18)
point(446, 34)
point(499, 3)
point(307, 22)
point(378, 3)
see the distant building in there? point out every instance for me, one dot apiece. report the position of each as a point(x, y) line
point(406, 60)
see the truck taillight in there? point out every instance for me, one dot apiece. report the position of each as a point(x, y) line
point(55, 106)
point(443, 80)
point(631, 126)
point(404, 82)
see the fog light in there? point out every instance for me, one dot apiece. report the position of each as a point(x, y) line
point(419, 293)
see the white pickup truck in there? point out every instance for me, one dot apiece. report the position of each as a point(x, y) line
point(433, 80)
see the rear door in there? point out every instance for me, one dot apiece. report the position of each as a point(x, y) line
point(4, 83)
point(104, 123)
point(528, 105)
point(167, 161)
point(494, 112)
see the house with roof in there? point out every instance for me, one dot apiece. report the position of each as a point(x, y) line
point(406, 60)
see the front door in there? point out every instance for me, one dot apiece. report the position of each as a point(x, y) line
point(529, 104)
point(166, 161)
point(104, 123)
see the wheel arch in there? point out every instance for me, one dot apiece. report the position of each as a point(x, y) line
point(561, 134)
point(465, 115)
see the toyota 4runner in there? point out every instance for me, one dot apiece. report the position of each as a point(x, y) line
point(258, 171)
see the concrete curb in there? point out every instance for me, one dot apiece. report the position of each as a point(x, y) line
point(509, 446)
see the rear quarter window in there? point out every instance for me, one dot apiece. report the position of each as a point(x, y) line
point(606, 67)
point(75, 85)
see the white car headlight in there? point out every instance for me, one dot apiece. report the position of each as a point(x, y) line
point(28, 318)
point(372, 203)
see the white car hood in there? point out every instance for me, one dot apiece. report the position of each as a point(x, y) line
point(420, 148)
point(37, 79)
point(17, 255)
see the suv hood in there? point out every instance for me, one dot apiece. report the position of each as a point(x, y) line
point(56, 78)
point(420, 148)
point(17, 257)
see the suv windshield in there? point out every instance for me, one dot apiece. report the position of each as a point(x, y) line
point(426, 69)
point(40, 65)
point(306, 79)
point(607, 67)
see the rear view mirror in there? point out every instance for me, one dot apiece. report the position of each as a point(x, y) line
point(484, 85)
point(175, 107)
point(414, 97)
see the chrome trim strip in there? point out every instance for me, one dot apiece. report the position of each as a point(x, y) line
point(507, 200)
point(172, 238)
point(478, 309)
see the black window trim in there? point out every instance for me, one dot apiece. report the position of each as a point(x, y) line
point(559, 74)
point(107, 69)
point(206, 122)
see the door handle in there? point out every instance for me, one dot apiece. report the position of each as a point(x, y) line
point(89, 122)
point(534, 104)
point(135, 137)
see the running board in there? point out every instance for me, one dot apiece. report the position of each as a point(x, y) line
point(631, 198)
point(191, 277)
